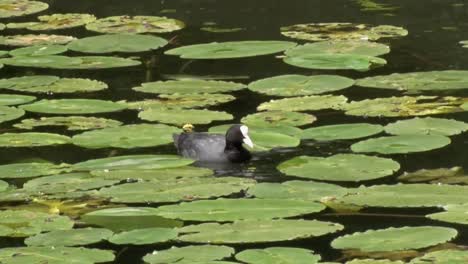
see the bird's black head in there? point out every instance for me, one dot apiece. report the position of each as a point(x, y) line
point(237, 135)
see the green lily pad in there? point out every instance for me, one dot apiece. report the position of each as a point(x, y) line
point(278, 118)
point(65, 183)
point(302, 190)
point(427, 126)
point(40, 255)
point(39, 50)
point(406, 106)
point(117, 43)
point(3, 186)
point(335, 61)
point(67, 238)
point(341, 132)
point(15, 99)
point(189, 254)
point(31, 139)
point(358, 47)
point(305, 103)
point(297, 85)
point(256, 231)
point(155, 175)
point(29, 170)
point(456, 213)
point(394, 239)
point(284, 255)
point(22, 223)
point(341, 31)
point(128, 136)
point(135, 24)
point(223, 210)
point(181, 101)
point(73, 106)
point(72, 123)
point(230, 49)
point(407, 195)
point(174, 191)
point(184, 116)
point(340, 167)
point(55, 22)
point(128, 218)
point(401, 144)
point(135, 162)
point(144, 236)
point(10, 113)
point(447, 256)
point(443, 175)
point(266, 138)
point(188, 87)
point(418, 81)
point(31, 39)
point(64, 85)
point(25, 82)
point(15, 8)
point(64, 62)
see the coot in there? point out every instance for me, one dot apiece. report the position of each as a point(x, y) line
point(215, 147)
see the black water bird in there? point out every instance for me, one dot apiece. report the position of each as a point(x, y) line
point(215, 147)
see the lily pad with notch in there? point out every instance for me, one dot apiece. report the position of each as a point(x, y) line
point(189, 254)
point(10, 113)
point(73, 106)
point(427, 126)
point(454, 213)
point(342, 131)
point(135, 25)
point(189, 87)
point(401, 144)
point(125, 43)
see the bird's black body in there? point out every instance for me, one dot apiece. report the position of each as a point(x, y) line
point(213, 147)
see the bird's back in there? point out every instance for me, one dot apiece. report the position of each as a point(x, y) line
point(201, 146)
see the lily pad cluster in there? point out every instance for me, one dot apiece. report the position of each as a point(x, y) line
point(55, 22)
point(135, 24)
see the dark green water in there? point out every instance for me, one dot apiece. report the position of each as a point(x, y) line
point(435, 27)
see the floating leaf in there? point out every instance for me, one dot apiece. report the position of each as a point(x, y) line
point(301, 190)
point(117, 43)
point(135, 24)
point(31, 39)
point(189, 254)
point(418, 81)
point(40, 255)
point(453, 214)
point(181, 101)
point(29, 170)
point(341, 132)
point(72, 123)
point(401, 144)
point(10, 113)
point(128, 218)
point(180, 117)
point(256, 231)
point(444, 175)
point(358, 47)
point(144, 236)
point(14, 8)
point(73, 106)
point(135, 162)
point(393, 239)
point(426, 126)
point(64, 62)
point(155, 175)
point(278, 118)
point(340, 167)
point(222, 210)
point(174, 191)
point(25, 82)
point(296, 85)
point(266, 138)
point(15, 99)
point(407, 195)
point(230, 49)
point(56, 21)
point(284, 255)
point(188, 87)
point(335, 61)
point(341, 31)
point(22, 223)
point(128, 136)
point(305, 103)
point(39, 50)
point(66, 238)
point(447, 256)
point(406, 106)
point(31, 139)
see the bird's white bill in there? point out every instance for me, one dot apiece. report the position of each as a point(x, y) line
point(248, 141)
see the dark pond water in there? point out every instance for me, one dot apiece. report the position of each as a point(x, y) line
point(435, 27)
